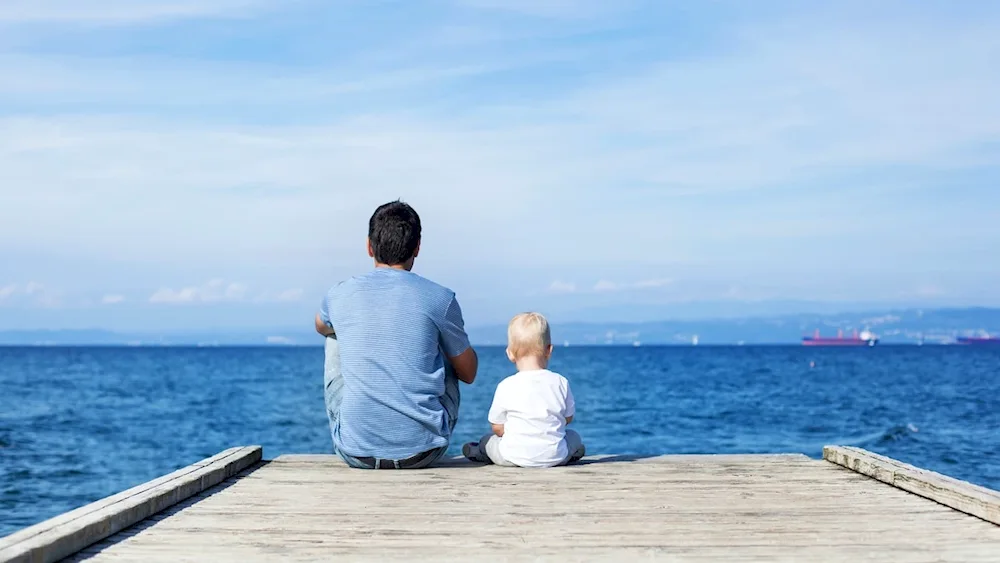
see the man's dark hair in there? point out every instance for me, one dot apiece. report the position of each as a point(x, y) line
point(394, 231)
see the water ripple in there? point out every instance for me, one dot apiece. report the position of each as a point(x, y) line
point(78, 424)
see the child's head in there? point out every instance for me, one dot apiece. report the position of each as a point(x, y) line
point(528, 338)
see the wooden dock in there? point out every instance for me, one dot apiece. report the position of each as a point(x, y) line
point(851, 506)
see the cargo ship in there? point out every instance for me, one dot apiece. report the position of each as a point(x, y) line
point(865, 338)
point(984, 340)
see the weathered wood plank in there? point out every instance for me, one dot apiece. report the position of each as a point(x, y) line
point(959, 495)
point(763, 553)
point(736, 508)
point(700, 459)
point(747, 508)
point(68, 533)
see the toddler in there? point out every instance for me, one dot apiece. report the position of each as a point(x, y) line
point(530, 408)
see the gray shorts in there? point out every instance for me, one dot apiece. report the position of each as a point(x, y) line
point(489, 449)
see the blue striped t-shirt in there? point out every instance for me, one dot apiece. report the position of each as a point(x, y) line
point(394, 329)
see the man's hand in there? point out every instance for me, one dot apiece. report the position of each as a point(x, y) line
point(497, 429)
point(466, 365)
point(569, 419)
point(322, 327)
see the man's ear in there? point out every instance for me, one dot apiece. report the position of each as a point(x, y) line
point(368, 243)
point(417, 251)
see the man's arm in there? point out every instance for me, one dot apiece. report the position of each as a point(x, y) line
point(569, 419)
point(322, 327)
point(456, 345)
point(323, 317)
point(466, 365)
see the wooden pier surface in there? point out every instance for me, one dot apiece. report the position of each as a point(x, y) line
point(741, 507)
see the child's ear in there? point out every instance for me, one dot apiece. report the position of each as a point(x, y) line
point(511, 357)
point(548, 354)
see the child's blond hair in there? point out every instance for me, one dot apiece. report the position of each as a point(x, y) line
point(528, 335)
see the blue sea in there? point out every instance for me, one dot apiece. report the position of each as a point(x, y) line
point(77, 424)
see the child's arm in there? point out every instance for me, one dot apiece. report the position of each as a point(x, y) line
point(570, 411)
point(498, 412)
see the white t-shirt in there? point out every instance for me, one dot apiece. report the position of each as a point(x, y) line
point(533, 407)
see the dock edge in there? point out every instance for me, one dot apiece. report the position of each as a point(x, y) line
point(73, 531)
point(956, 494)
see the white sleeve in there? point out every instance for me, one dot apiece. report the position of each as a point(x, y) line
point(498, 410)
point(570, 402)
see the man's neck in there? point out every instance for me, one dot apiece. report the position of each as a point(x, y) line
point(405, 267)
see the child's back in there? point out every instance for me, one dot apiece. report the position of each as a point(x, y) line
point(533, 407)
point(530, 409)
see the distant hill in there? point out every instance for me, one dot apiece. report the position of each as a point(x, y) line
point(907, 326)
point(911, 326)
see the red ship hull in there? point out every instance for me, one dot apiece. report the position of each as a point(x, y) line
point(808, 341)
point(979, 341)
point(863, 339)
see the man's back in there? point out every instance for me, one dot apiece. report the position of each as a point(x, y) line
point(395, 330)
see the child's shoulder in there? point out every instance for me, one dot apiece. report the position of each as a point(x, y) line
point(529, 375)
point(558, 377)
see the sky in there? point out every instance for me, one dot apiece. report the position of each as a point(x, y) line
point(213, 163)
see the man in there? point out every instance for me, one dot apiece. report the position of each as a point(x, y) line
point(396, 348)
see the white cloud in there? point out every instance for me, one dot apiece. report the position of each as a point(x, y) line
point(625, 160)
point(605, 285)
point(290, 295)
point(214, 291)
point(925, 291)
point(117, 11)
point(209, 176)
point(649, 284)
point(33, 288)
point(233, 291)
point(562, 287)
point(8, 291)
point(167, 295)
point(112, 299)
point(868, 97)
point(32, 293)
point(553, 9)
point(284, 296)
point(682, 131)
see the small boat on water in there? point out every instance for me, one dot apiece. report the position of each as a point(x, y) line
point(982, 340)
point(864, 338)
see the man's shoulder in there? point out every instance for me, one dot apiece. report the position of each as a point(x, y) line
point(428, 286)
point(339, 290)
point(377, 278)
point(418, 293)
point(429, 296)
point(382, 278)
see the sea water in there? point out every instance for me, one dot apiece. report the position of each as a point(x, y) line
point(78, 424)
